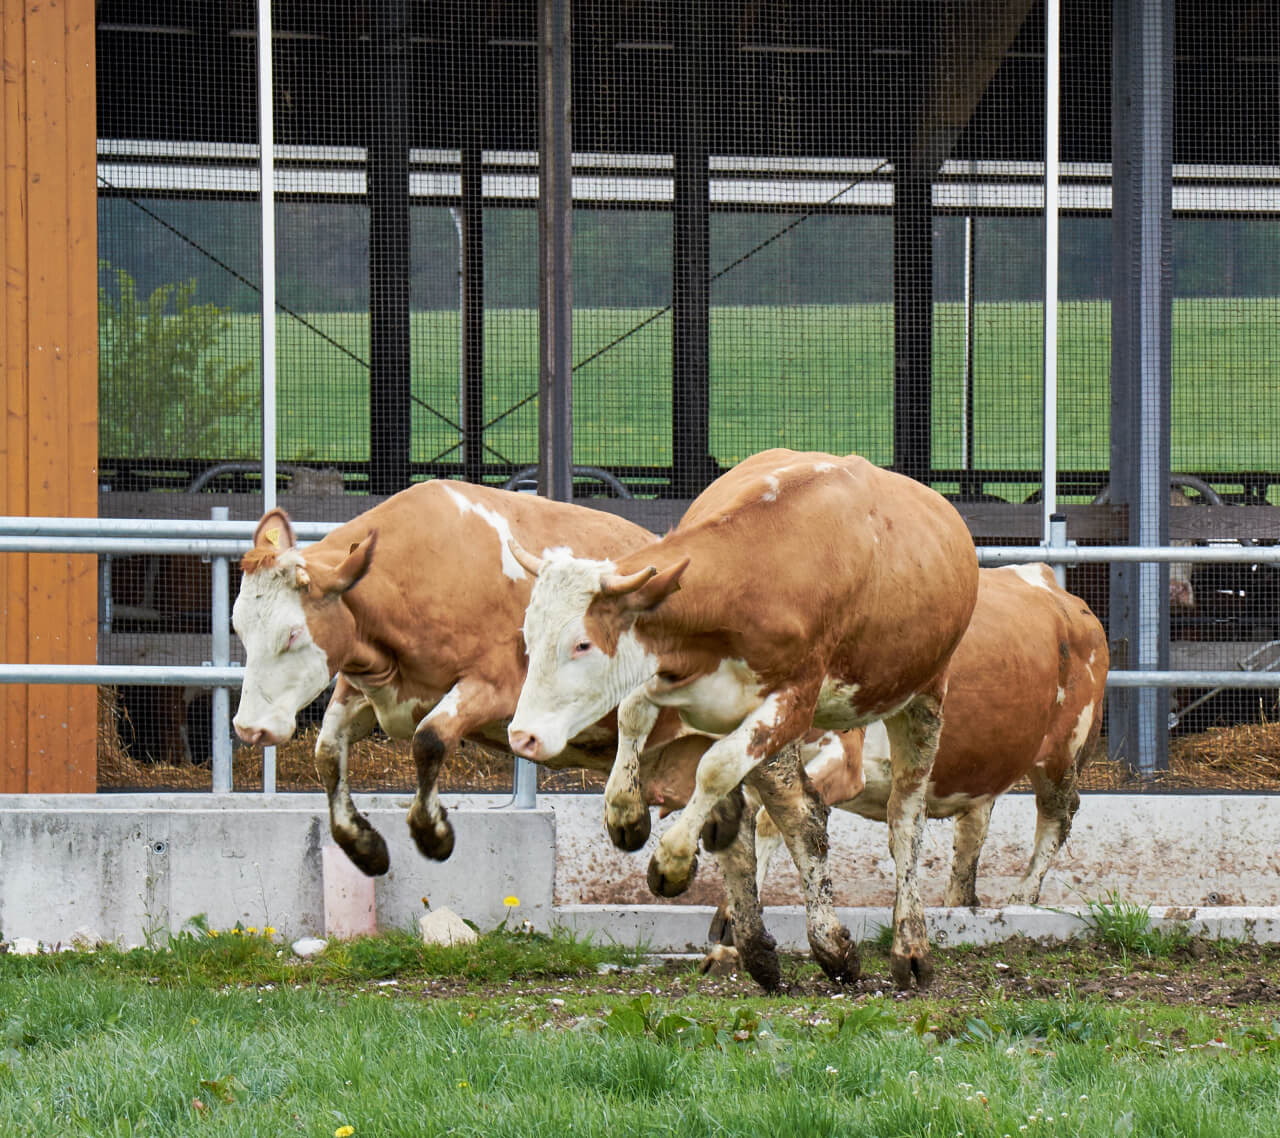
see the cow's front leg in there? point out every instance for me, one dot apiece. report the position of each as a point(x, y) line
point(725, 764)
point(625, 814)
point(464, 707)
point(797, 808)
point(913, 743)
point(348, 719)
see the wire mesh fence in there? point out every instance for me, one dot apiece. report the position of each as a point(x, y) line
point(799, 223)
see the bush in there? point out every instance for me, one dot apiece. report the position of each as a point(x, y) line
point(163, 389)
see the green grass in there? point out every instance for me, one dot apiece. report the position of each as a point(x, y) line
point(133, 1044)
point(806, 377)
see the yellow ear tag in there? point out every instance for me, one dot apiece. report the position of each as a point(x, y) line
point(273, 536)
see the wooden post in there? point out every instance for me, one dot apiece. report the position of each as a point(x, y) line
point(49, 370)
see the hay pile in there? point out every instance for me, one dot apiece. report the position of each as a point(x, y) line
point(1245, 757)
point(377, 764)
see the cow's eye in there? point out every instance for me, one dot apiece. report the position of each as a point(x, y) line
point(581, 648)
point(295, 635)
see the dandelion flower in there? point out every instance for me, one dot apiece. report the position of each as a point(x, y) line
point(344, 1132)
point(511, 901)
point(269, 931)
point(251, 930)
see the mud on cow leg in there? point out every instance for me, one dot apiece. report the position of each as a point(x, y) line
point(351, 830)
point(630, 835)
point(428, 819)
point(722, 825)
point(744, 919)
point(796, 807)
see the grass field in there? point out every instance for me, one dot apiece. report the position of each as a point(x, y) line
point(525, 1036)
point(804, 377)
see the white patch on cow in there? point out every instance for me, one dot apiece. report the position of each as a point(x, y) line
point(1080, 732)
point(398, 717)
point(1062, 694)
point(510, 566)
point(837, 708)
point(563, 692)
point(823, 467)
point(771, 495)
point(284, 667)
point(715, 703)
point(1033, 574)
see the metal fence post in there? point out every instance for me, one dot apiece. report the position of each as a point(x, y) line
point(220, 618)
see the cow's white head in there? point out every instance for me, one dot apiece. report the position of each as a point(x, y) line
point(584, 657)
point(289, 617)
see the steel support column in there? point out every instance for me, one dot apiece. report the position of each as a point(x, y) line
point(386, 107)
point(1141, 338)
point(472, 237)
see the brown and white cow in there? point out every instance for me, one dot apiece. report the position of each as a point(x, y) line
point(798, 590)
point(1024, 700)
point(416, 606)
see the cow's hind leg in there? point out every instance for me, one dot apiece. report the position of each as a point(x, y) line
point(797, 808)
point(768, 842)
point(913, 744)
point(720, 829)
point(348, 719)
point(1056, 804)
point(970, 832)
point(756, 949)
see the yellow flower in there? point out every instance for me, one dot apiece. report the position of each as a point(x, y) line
point(251, 931)
point(344, 1132)
point(511, 901)
point(463, 1084)
point(213, 932)
point(269, 931)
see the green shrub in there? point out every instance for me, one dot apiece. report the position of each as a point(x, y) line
point(163, 390)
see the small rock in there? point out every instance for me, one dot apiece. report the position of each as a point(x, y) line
point(85, 939)
point(444, 926)
point(24, 946)
point(309, 946)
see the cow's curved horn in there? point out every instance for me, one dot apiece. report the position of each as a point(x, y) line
point(614, 584)
point(527, 560)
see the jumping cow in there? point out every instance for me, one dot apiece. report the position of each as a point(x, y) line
point(1024, 700)
point(798, 590)
point(416, 606)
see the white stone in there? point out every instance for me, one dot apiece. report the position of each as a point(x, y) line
point(444, 926)
point(24, 946)
point(85, 939)
point(309, 946)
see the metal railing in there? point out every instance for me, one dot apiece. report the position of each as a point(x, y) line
point(218, 540)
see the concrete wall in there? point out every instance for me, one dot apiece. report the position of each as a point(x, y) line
point(125, 866)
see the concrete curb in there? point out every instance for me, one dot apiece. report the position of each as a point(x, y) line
point(683, 929)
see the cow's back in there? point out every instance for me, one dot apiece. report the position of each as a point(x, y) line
point(833, 560)
point(443, 589)
point(1033, 659)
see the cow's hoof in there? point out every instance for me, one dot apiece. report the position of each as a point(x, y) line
point(760, 958)
point(433, 839)
point(367, 850)
point(668, 884)
point(911, 971)
point(720, 830)
point(630, 836)
point(722, 960)
point(839, 960)
point(721, 929)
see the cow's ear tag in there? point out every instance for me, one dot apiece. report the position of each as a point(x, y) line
point(273, 537)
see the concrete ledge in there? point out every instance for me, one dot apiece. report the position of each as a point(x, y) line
point(683, 929)
point(132, 865)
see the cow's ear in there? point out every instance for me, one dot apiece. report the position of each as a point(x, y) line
point(354, 566)
point(274, 533)
point(656, 589)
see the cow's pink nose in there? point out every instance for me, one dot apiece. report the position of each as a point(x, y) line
point(256, 736)
point(523, 743)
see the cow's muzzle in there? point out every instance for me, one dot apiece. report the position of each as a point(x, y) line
point(526, 744)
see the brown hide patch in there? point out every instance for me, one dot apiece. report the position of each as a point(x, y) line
point(606, 620)
point(259, 557)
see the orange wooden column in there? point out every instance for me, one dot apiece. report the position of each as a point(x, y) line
point(49, 382)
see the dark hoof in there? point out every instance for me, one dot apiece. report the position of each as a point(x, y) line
point(840, 962)
point(630, 836)
point(760, 959)
point(435, 843)
point(911, 971)
point(720, 830)
point(721, 930)
point(367, 851)
point(660, 885)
